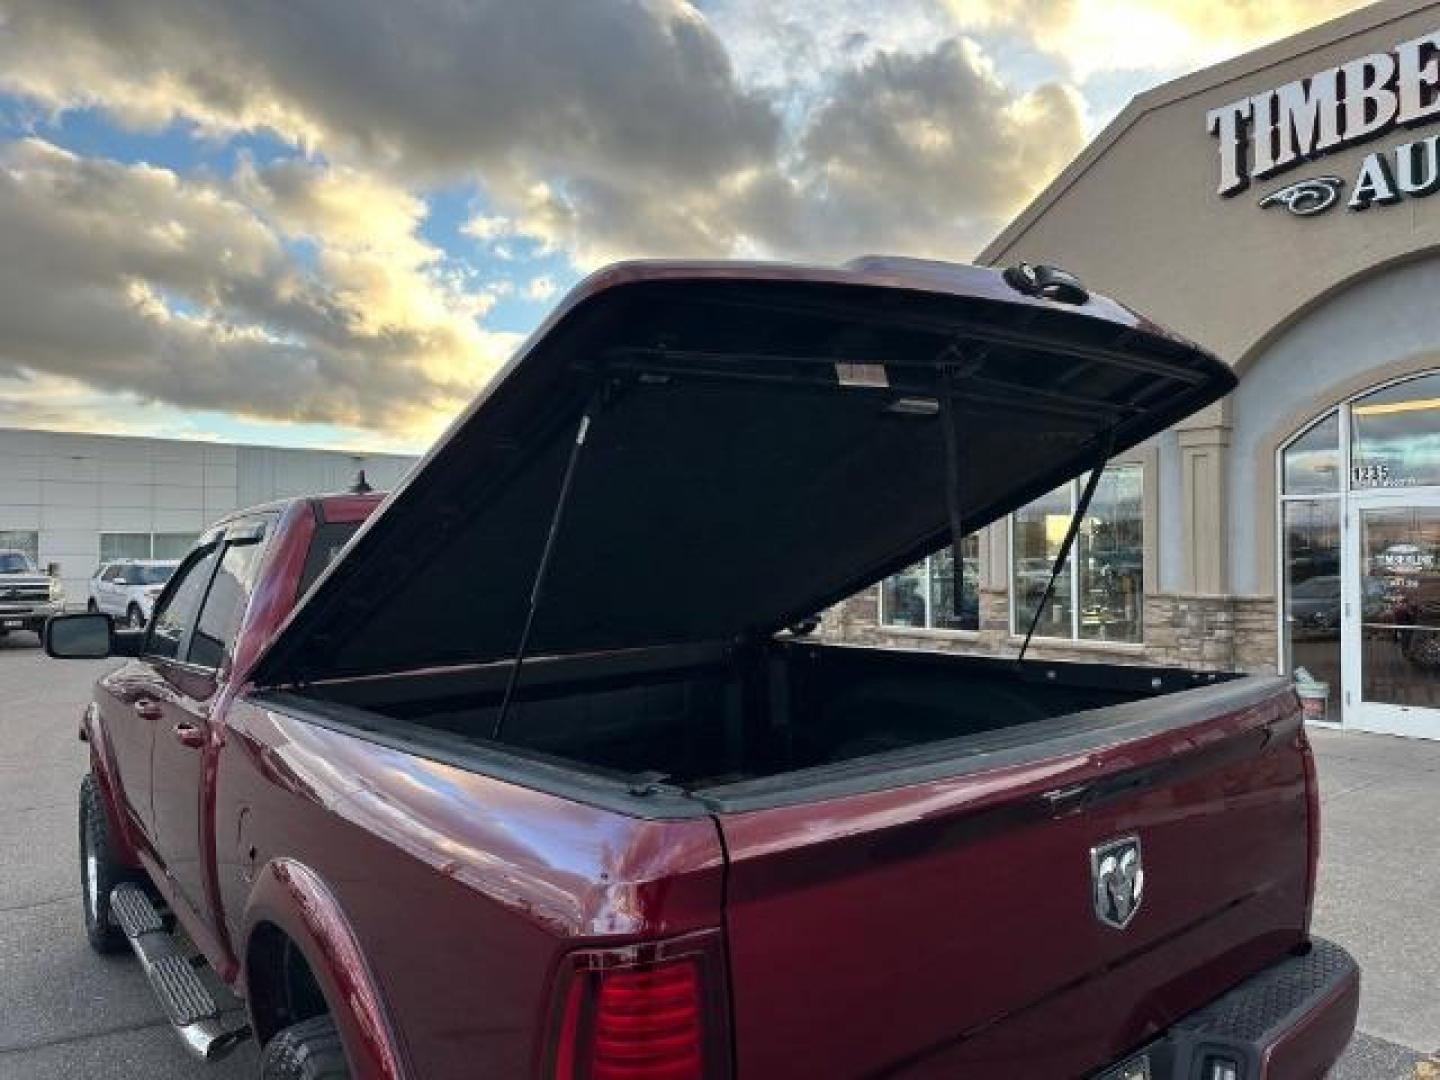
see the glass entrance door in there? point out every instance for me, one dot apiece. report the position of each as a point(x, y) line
point(1392, 613)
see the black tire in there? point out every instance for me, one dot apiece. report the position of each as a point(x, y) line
point(134, 617)
point(100, 874)
point(309, 1050)
point(91, 606)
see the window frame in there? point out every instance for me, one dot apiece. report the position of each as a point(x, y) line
point(929, 627)
point(192, 540)
point(1147, 540)
point(237, 538)
point(219, 540)
point(31, 548)
point(208, 545)
point(124, 557)
point(1351, 434)
point(1344, 489)
point(316, 559)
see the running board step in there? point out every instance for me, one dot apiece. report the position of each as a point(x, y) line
point(188, 1003)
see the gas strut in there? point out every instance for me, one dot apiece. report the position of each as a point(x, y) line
point(1081, 508)
point(950, 418)
point(537, 589)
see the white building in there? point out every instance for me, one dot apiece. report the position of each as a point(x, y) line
point(78, 500)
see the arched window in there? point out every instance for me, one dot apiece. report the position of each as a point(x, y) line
point(1359, 550)
point(1395, 436)
point(1310, 557)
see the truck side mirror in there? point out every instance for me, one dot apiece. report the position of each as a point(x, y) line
point(78, 637)
point(89, 636)
point(52, 569)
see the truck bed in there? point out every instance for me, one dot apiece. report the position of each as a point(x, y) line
point(911, 828)
point(741, 724)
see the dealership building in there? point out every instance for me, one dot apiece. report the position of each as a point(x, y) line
point(1280, 210)
point(1277, 209)
point(73, 501)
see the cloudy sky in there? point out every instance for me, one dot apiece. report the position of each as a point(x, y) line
point(327, 223)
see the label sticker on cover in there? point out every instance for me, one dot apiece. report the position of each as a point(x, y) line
point(862, 375)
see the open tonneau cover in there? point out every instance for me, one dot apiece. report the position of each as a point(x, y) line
point(764, 441)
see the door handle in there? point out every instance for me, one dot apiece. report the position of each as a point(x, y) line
point(1066, 798)
point(149, 710)
point(187, 734)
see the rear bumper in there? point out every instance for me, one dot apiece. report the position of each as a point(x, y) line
point(1288, 1022)
point(29, 618)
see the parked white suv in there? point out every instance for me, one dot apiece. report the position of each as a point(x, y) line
point(127, 589)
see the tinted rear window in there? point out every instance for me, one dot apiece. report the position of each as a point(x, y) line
point(329, 539)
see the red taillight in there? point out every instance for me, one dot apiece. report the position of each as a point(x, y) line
point(649, 1023)
point(650, 1012)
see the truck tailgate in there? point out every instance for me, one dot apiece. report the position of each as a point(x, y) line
point(949, 927)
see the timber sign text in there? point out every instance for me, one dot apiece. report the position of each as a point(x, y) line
point(1271, 133)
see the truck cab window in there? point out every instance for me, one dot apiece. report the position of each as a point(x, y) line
point(13, 562)
point(330, 538)
point(176, 611)
point(225, 605)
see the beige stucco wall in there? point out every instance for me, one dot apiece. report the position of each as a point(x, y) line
point(1137, 215)
point(1308, 310)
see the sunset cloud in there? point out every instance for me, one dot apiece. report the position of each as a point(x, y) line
point(602, 129)
point(369, 202)
point(134, 279)
point(1090, 36)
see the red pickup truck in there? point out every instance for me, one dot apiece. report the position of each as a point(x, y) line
point(532, 780)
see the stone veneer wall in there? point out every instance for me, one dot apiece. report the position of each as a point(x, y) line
point(1234, 633)
point(1224, 633)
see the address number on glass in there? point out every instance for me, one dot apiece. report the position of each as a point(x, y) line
point(1372, 476)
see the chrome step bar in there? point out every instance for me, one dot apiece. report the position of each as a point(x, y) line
point(191, 1008)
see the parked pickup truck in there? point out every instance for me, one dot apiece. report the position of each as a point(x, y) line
point(531, 782)
point(27, 596)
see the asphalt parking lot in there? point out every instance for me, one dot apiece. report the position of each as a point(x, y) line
point(66, 1013)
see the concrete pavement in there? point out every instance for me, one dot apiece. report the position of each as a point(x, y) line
point(1379, 891)
point(65, 1012)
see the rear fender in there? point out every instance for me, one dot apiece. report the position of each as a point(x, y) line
point(122, 835)
point(293, 898)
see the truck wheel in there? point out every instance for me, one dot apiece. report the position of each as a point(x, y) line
point(135, 618)
point(91, 606)
point(310, 1050)
point(99, 872)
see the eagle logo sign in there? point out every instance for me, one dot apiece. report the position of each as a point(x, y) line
point(1306, 197)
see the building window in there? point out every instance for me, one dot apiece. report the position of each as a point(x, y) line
point(173, 546)
point(1098, 594)
point(1395, 436)
point(1310, 486)
point(924, 595)
point(1311, 463)
point(116, 546)
point(1373, 463)
point(21, 540)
